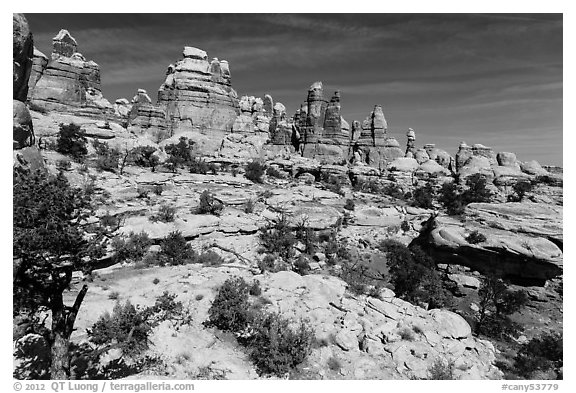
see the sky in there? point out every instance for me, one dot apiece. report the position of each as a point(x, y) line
point(494, 79)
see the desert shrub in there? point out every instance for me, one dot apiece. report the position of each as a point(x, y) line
point(277, 237)
point(548, 180)
point(175, 250)
point(114, 295)
point(179, 154)
point(126, 327)
point(441, 370)
point(451, 199)
point(334, 364)
point(275, 347)
point(302, 265)
point(496, 304)
point(475, 237)
point(209, 204)
point(249, 206)
point(254, 171)
point(234, 171)
point(406, 334)
point(230, 310)
point(156, 281)
point(131, 249)
point(541, 354)
point(255, 288)
point(108, 158)
point(424, 196)
point(210, 258)
point(307, 236)
point(349, 205)
point(158, 189)
point(405, 226)
point(213, 168)
point(165, 214)
point(413, 274)
point(63, 165)
point(477, 190)
point(144, 156)
point(393, 190)
point(129, 327)
point(273, 172)
point(71, 141)
point(198, 165)
point(520, 189)
point(267, 264)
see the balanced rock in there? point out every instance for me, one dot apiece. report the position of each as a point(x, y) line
point(507, 159)
point(68, 82)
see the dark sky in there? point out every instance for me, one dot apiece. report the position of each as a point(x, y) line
point(494, 79)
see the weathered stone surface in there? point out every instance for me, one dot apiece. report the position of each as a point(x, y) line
point(147, 119)
point(507, 159)
point(23, 130)
point(438, 155)
point(198, 97)
point(403, 164)
point(451, 325)
point(533, 168)
point(22, 54)
point(432, 167)
point(39, 63)
point(521, 240)
point(68, 82)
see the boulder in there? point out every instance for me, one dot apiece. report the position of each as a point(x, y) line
point(432, 167)
point(403, 164)
point(22, 54)
point(533, 168)
point(450, 324)
point(507, 159)
point(23, 130)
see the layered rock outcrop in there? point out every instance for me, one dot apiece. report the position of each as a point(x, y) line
point(145, 118)
point(23, 47)
point(522, 240)
point(198, 97)
point(370, 142)
point(254, 116)
point(67, 82)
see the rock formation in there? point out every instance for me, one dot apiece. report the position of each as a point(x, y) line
point(371, 142)
point(253, 118)
point(197, 97)
point(23, 46)
point(67, 82)
point(411, 143)
point(146, 118)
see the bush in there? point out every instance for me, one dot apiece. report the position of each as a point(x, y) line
point(405, 226)
point(520, 189)
point(349, 205)
point(165, 214)
point(475, 237)
point(198, 165)
point(230, 310)
point(393, 190)
point(158, 189)
point(423, 196)
point(108, 158)
point(209, 205)
point(174, 250)
point(63, 165)
point(406, 334)
point(126, 327)
point(273, 172)
point(451, 199)
point(255, 289)
point(496, 304)
point(477, 191)
point(413, 275)
point(71, 141)
point(254, 171)
point(144, 156)
point(275, 347)
point(302, 265)
point(441, 370)
point(210, 258)
point(179, 154)
point(267, 264)
point(541, 354)
point(278, 238)
point(249, 206)
point(131, 249)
